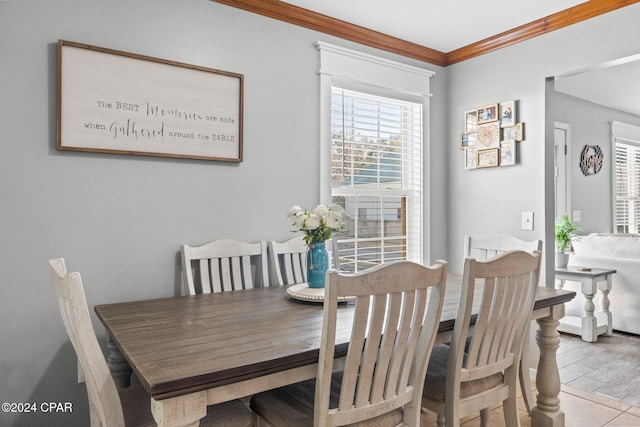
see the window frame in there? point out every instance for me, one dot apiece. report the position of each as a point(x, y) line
point(369, 74)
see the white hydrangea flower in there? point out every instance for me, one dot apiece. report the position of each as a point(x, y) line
point(333, 222)
point(312, 222)
point(321, 210)
point(295, 210)
point(299, 219)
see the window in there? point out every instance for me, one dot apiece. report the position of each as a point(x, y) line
point(627, 178)
point(376, 176)
point(374, 114)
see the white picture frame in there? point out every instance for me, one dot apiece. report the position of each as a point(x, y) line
point(508, 153)
point(508, 113)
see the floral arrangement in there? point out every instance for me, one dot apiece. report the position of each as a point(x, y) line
point(319, 224)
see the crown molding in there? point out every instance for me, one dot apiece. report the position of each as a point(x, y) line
point(565, 18)
point(325, 24)
point(315, 21)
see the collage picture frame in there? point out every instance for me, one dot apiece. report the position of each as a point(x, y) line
point(490, 134)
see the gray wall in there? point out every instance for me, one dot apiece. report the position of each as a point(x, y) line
point(491, 200)
point(119, 220)
point(590, 125)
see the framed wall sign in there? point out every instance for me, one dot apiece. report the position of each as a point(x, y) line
point(116, 102)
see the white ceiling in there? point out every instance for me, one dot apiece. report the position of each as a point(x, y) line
point(443, 25)
point(613, 84)
point(446, 25)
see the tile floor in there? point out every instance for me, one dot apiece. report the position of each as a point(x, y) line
point(609, 367)
point(600, 385)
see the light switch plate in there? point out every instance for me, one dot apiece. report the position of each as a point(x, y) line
point(527, 220)
point(576, 216)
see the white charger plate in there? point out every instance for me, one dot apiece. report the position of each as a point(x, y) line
point(303, 292)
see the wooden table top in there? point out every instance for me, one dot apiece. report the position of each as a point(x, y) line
point(185, 344)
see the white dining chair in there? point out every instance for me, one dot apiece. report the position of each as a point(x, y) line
point(474, 372)
point(396, 317)
point(110, 406)
point(288, 261)
point(224, 265)
point(333, 248)
point(483, 248)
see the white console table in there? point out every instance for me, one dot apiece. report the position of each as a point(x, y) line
point(591, 324)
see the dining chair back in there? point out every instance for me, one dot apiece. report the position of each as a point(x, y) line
point(483, 248)
point(334, 253)
point(110, 406)
point(104, 401)
point(224, 265)
point(288, 261)
point(471, 374)
point(396, 317)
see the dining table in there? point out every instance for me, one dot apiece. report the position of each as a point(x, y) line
point(193, 351)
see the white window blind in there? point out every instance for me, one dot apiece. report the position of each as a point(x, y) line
point(376, 175)
point(626, 177)
point(627, 188)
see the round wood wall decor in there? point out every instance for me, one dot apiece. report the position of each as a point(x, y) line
point(591, 160)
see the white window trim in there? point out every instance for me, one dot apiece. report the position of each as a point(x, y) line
point(364, 72)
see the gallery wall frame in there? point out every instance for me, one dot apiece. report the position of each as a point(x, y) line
point(508, 153)
point(110, 101)
point(468, 139)
point(515, 132)
point(487, 114)
point(490, 135)
point(470, 120)
point(487, 158)
point(508, 113)
point(470, 158)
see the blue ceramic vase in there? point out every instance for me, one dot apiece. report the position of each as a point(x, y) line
point(317, 264)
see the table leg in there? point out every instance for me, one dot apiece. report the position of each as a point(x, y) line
point(120, 369)
point(181, 411)
point(589, 321)
point(606, 305)
point(547, 411)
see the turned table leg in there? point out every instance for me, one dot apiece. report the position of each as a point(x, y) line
point(120, 369)
point(606, 304)
point(589, 321)
point(547, 411)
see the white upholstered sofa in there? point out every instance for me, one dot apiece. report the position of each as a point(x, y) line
point(620, 252)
